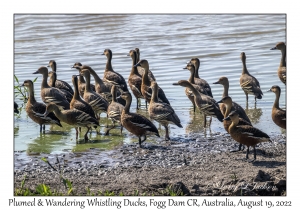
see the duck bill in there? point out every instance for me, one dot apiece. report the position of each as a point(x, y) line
point(219, 101)
point(216, 82)
point(37, 72)
point(269, 90)
point(273, 48)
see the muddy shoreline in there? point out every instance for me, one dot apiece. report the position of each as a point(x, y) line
point(190, 166)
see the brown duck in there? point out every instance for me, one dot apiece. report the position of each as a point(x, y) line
point(206, 104)
point(60, 84)
point(162, 112)
point(282, 65)
point(235, 106)
point(278, 114)
point(73, 117)
point(140, 69)
point(114, 110)
point(81, 81)
point(134, 79)
point(52, 77)
point(36, 110)
point(246, 134)
point(51, 94)
point(110, 75)
point(249, 83)
point(199, 81)
point(146, 83)
point(135, 123)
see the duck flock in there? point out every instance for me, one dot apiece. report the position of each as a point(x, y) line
point(82, 105)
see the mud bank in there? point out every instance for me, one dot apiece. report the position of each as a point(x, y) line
point(188, 166)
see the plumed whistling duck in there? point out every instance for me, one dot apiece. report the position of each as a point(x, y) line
point(249, 83)
point(36, 110)
point(98, 103)
point(81, 81)
point(141, 69)
point(246, 134)
point(134, 79)
point(278, 114)
point(282, 65)
point(73, 117)
point(52, 77)
point(114, 110)
point(199, 81)
point(51, 94)
point(60, 84)
point(162, 112)
point(135, 123)
point(206, 104)
point(110, 75)
point(145, 88)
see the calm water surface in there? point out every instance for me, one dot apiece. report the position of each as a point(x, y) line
point(167, 42)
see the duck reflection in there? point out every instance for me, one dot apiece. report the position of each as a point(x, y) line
point(254, 114)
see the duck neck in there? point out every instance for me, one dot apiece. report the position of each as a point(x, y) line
point(192, 76)
point(197, 65)
point(53, 66)
point(58, 114)
point(245, 70)
point(87, 83)
point(228, 109)
point(76, 92)
point(276, 102)
point(108, 63)
point(44, 81)
point(127, 105)
point(226, 88)
point(195, 92)
point(145, 78)
point(52, 80)
point(154, 96)
point(283, 58)
point(134, 61)
point(234, 123)
point(98, 81)
point(31, 97)
point(113, 93)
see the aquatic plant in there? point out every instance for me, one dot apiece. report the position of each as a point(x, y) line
point(21, 91)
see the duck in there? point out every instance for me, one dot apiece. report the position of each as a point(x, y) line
point(278, 114)
point(199, 81)
point(73, 117)
point(101, 87)
point(60, 84)
point(16, 106)
point(227, 101)
point(98, 103)
point(51, 94)
point(145, 88)
point(77, 102)
point(134, 79)
point(81, 81)
point(249, 83)
point(136, 124)
point(161, 112)
point(206, 104)
point(114, 110)
point(282, 65)
point(35, 110)
point(199, 88)
point(140, 69)
point(234, 106)
point(110, 75)
point(243, 118)
point(52, 77)
point(246, 134)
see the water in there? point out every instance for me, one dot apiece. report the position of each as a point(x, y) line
point(167, 42)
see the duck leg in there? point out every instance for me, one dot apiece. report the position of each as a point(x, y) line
point(41, 128)
point(85, 135)
point(247, 153)
point(204, 124)
point(240, 148)
point(247, 97)
point(254, 151)
point(107, 131)
point(44, 128)
point(146, 103)
point(137, 104)
point(167, 137)
point(121, 128)
point(76, 132)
